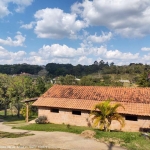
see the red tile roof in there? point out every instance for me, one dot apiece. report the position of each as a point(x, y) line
point(135, 100)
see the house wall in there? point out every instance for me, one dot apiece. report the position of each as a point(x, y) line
point(65, 116)
point(141, 123)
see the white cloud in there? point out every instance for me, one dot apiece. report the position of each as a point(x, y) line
point(54, 23)
point(145, 48)
point(7, 57)
point(3, 9)
point(83, 55)
point(18, 40)
point(63, 54)
point(28, 26)
point(20, 6)
point(100, 39)
point(116, 54)
point(125, 17)
point(58, 51)
point(84, 60)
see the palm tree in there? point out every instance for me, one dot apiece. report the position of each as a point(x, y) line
point(104, 113)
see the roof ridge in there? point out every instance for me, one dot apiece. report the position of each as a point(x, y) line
point(101, 86)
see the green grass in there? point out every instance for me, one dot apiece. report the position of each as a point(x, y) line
point(12, 135)
point(54, 127)
point(130, 140)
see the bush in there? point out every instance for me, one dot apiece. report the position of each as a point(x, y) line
point(41, 120)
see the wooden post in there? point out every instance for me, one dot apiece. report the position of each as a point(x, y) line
point(27, 111)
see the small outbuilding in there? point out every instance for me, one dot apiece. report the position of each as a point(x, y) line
point(72, 105)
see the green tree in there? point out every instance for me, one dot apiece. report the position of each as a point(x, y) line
point(68, 80)
point(32, 110)
point(17, 92)
point(144, 79)
point(104, 113)
point(40, 86)
point(86, 81)
point(4, 96)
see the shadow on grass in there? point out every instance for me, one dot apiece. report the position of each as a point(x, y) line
point(110, 145)
point(14, 118)
point(13, 135)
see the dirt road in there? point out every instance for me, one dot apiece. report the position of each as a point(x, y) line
point(50, 140)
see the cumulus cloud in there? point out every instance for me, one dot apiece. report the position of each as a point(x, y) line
point(82, 55)
point(28, 26)
point(18, 40)
point(116, 54)
point(125, 17)
point(20, 5)
point(3, 9)
point(54, 23)
point(59, 54)
point(63, 54)
point(100, 39)
point(59, 51)
point(85, 60)
point(8, 57)
point(145, 48)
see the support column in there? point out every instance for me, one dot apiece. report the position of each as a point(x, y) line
point(27, 111)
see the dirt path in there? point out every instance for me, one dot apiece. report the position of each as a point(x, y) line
point(50, 140)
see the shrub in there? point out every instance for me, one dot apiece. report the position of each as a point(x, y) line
point(41, 120)
point(68, 126)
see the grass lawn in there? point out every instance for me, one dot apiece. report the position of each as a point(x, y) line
point(130, 140)
point(54, 127)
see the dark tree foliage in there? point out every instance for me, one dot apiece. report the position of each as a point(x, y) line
point(64, 69)
point(19, 68)
point(59, 69)
point(144, 79)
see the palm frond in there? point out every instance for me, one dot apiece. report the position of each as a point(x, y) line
point(103, 114)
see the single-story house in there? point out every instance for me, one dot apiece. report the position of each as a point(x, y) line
point(124, 81)
point(72, 105)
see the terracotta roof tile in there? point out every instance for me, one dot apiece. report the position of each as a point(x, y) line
point(135, 100)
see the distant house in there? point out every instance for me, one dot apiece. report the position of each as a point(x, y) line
point(72, 105)
point(124, 81)
point(56, 80)
point(23, 74)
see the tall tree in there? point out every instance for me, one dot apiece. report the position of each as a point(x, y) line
point(104, 113)
point(16, 92)
point(4, 96)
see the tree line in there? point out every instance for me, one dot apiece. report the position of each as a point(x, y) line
point(55, 69)
point(99, 73)
point(87, 81)
point(20, 68)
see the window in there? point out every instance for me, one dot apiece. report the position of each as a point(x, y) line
point(54, 110)
point(76, 112)
point(131, 118)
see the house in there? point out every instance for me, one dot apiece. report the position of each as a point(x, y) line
point(56, 80)
point(124, 81)
point(72, 104)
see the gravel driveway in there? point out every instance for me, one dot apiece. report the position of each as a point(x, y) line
point(50, 140)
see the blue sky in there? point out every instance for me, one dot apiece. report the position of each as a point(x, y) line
point(76, 32)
